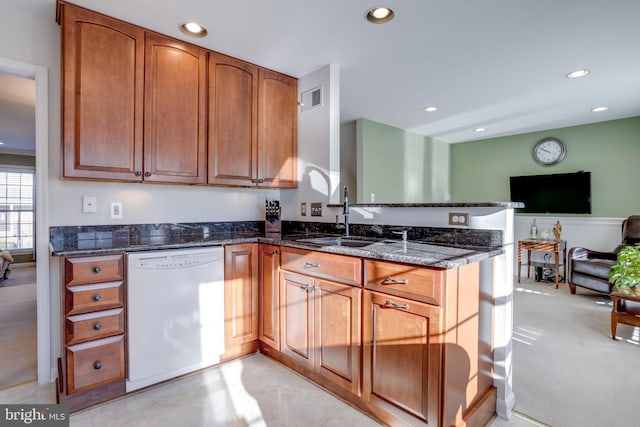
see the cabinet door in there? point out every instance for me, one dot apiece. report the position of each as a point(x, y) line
point(240, 294)
point(268, 282)
point(175, 111)
point(102, 72)
point(337, 333)
point(401, 357)
point(233, 106)
point(296, 310)
point(278, 130)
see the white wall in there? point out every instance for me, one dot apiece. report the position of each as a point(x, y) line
point(600, 234)
point(318, 148)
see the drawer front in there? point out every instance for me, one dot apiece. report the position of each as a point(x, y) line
point(95, 363)
point(407, 281)
point(93, 269)
point(88, 298)
point(92, 326)
point(339, 268)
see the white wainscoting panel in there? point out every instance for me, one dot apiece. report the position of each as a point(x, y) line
point(600, 234)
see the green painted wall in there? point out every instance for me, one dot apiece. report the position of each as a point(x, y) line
point(399, 166)
point(480, 170)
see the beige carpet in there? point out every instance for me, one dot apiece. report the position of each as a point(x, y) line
point(567, 371)
point(18, 353)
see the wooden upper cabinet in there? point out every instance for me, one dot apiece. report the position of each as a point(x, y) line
point(103, 75)
point(277, 130)
point(233, 117)
point(175, 111)
point(140, 106)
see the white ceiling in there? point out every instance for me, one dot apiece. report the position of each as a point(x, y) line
point(497, 64)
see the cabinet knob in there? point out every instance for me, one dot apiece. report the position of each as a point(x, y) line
point(138, 173)
point(97, 297)
point(96, 269)
point(260, 181)
point(97, 326)
point(254, 181)
point(147, 174)
point(97, 365)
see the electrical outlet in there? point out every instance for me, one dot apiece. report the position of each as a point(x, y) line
point(116, 210)
point(89, 204)
point(457, 218)
point(303, 208)
point(316, 209)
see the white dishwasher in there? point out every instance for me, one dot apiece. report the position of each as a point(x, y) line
point(175, 313)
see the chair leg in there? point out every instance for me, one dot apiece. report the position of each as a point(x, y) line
point(572, 288)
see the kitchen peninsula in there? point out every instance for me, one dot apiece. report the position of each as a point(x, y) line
point(439, 286)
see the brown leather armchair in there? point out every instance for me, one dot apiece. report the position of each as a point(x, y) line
point(590, 269)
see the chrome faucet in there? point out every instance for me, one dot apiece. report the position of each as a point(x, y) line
point(345, 210)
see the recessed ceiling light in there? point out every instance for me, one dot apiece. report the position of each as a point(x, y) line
point(479, 129)
point(599, 109)
point(193, 29)
point(430, 108)
point(577, 74)
point(1, 143)
point(379, 15)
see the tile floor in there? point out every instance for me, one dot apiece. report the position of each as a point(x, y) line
point(251, 391)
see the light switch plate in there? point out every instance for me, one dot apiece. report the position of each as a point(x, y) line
point(116, 210)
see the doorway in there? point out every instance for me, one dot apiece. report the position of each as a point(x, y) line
point(40, 230)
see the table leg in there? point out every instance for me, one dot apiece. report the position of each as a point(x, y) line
point(519, 261)
point(528, 263)
point(564, 263)
point(557, 255)
point(614, 317)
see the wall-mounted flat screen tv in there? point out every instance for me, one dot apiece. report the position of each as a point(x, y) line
point(564, 193)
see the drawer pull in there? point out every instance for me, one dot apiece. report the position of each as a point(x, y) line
point(390, 303)
point(311, 265)
point(97, 297)
point(396, 281)
point(97, 365)
point(96, 269)
point(97, 326)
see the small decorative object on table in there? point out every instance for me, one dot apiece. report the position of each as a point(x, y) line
point(557, 231)
point(533, 230)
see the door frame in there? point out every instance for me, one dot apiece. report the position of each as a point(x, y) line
point(43, 298)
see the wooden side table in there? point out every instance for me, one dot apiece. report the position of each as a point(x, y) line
point(543, 246)
point(631, 294)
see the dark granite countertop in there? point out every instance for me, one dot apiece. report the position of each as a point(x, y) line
point(436, 255)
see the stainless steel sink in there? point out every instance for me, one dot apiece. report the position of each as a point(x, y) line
point(348, 241)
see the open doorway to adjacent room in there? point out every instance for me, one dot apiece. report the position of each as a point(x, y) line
point(18, 336)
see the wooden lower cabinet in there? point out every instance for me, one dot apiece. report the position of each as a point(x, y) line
point(269, 295)
point(402, 357)
point(92, 368)
point(240, 299)
point(320, 327)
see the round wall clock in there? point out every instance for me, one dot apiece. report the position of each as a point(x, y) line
point(549, 151)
